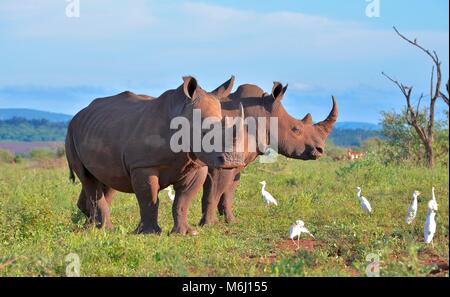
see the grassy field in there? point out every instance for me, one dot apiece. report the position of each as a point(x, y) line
point(40, 225)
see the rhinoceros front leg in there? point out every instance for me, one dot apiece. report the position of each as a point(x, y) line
point(210, 200)
point(146, 186)
point(226, 200)
point(185, 191)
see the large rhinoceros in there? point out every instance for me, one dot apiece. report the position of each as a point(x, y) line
point(123, 143)
point(298, 139)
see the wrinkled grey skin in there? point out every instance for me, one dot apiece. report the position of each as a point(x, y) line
point(298, 139)
point(123, 143)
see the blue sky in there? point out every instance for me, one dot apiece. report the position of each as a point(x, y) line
point(55, 63)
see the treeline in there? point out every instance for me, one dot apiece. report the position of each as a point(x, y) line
point(353, 137)
point(20, 129)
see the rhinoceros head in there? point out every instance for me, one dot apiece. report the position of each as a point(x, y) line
point(209, 106)
point(300, 139)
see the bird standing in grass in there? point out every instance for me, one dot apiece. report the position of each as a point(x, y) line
point(268, 198)
point(170, 194)
point(296, 230)
point(412, 210)
point(365, 205)
point(430, 224)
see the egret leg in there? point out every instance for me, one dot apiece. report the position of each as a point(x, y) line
point(293, 241)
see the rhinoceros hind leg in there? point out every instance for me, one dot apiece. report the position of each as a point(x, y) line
point(82, 204)
point(86, 206)
point(98, 207)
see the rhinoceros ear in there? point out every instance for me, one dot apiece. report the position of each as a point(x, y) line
point(278, 91)
point(190, 86)
point(225, 89)
point(307, 119)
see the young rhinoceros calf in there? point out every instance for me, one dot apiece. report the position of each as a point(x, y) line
point(298, 139)
point(123, 143)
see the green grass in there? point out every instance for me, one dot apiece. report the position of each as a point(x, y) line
point(40, 225)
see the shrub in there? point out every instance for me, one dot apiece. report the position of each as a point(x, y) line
point(60, 152)
point(41, 153)
point(6, 156)
point(333, 151)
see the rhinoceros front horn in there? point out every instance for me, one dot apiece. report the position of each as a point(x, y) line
point(327, 124)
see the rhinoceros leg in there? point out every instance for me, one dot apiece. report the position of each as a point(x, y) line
point(146, 186)
point(96, 202)
point(218, 192)
point(85, 204)
point(109, 194)
point(209, 200)
point(226, 200)
point(185, 190)
point(82, 203)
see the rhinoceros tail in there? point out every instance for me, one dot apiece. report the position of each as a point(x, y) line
point(71, 175)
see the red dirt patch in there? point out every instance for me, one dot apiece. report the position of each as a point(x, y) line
point(304, 244)
point(440, 263)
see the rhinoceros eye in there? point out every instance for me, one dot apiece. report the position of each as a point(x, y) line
point(296, 129)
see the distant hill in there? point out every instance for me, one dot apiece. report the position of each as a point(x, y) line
point(357, 125)
point(32, 114)
point(20, 129)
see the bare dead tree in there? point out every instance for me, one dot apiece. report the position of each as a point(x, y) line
point(424, 130)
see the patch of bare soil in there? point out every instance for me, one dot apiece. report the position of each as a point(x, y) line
point(269, 259)
point(304, 244)
point(429, 259)
point(47, 163)
point(311, 245)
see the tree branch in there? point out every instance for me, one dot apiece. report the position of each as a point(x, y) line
point(433, 56)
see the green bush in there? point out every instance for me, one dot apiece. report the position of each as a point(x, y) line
point(6, 156)
point(41, 153)
point(60, 152)
point(333, 151)
point(18, 159)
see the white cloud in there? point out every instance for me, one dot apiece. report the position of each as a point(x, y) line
point(300, 86)
point(98, 19)
point(115, 41)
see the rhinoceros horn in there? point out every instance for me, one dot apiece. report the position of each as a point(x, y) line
point(327, 124)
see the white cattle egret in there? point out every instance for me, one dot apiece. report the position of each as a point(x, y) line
point(296, 229)
point(365, 205)
point(432, 194)
point(412, 210)
point(170, 194)
point(268, 198)
point(430, 224)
